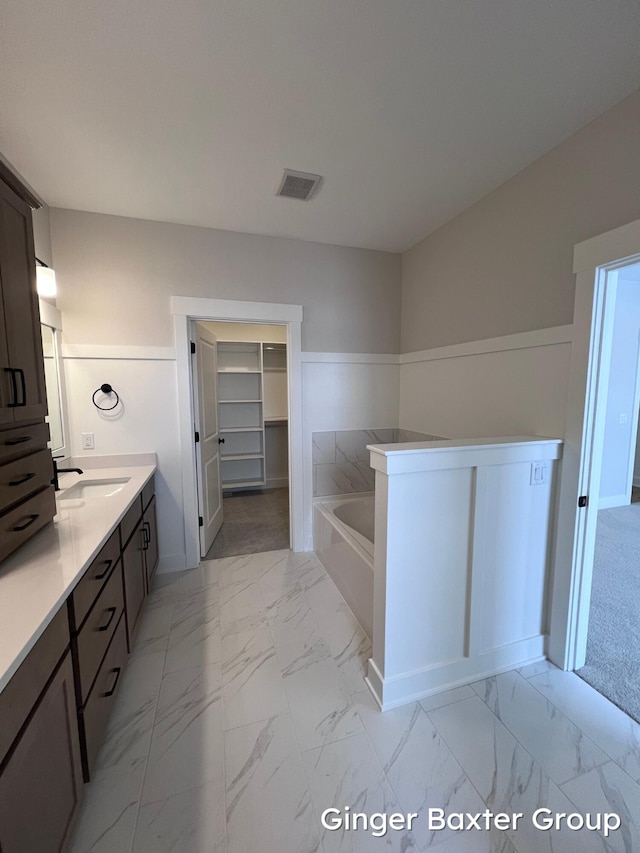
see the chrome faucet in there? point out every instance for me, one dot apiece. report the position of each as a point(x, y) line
point(57, 471)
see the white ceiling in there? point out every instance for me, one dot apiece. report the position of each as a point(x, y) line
point(188, 110)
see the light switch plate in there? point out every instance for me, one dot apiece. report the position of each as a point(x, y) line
point(539, 473)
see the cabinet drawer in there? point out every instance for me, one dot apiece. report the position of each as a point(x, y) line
point(95, 714)
point(24, 476)
point(130, 521)
point(94, 579)
point(20, 440)
point(20, 523)
point(22, 692)
point(148, 492)
point(95, 634)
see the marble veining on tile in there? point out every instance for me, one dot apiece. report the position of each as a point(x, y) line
point(243, 714)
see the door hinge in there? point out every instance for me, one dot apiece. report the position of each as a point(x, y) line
point(197, 436)
point(193, 347)
point(583, 501)
point(200, 521)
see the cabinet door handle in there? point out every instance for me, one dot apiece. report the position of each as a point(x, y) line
point(23, 385)
point(14, 387)
point(146, 528)
point(115, 681)
point(221, 441)
point(107, 566)
point(28, 523)
point(13, 441)
point(112, 612)
point(22, 479)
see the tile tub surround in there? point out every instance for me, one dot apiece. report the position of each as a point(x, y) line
point(341, 459)
point(36, 580)
point(199, 782)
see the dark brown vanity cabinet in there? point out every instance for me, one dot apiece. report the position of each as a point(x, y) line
point(40, 770)
point(150, 528)
point(135, 586)
point(23, 401)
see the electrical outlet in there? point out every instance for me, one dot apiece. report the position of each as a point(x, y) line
point(624, 418)
point(88, 441)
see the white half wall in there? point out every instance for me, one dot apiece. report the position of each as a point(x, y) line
point(512, 385)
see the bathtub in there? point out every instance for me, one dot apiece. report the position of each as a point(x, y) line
point(343, 540)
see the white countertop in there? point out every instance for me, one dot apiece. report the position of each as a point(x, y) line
point(37, 579)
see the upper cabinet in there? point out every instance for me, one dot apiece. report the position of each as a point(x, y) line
point(22, 386)
point(27, 500)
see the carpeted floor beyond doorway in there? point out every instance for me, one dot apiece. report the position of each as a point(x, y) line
point(253, 521)
point(613, 641)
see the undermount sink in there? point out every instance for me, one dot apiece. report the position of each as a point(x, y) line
point(94, 489)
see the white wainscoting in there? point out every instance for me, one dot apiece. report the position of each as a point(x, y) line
point(463, 537)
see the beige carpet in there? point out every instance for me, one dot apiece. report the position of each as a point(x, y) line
point(613, 640)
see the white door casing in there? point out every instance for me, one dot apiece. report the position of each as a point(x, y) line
point(595, 264)
point(184, 310)
point(207, 447)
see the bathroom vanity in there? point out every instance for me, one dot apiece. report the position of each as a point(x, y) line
point(70, 602)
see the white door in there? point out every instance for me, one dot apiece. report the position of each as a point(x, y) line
point(207, 447)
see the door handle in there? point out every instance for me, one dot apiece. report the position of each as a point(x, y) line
point(23, 386)
point(14, 387)
point(221, 441)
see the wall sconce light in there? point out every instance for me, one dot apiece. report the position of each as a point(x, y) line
point(45, 279)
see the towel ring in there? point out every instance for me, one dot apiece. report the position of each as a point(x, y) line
point(106, 389)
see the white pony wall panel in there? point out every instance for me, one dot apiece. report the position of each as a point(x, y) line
point(510, 557)
point(427, 574)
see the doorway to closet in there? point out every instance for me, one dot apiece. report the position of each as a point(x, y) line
point(241, 405)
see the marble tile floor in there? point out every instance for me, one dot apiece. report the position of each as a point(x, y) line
point(243, 715)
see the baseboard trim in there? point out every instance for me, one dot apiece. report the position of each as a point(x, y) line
point(172, 563)
point(409, 687)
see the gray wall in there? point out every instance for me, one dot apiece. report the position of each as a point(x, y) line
point(116, 276)
point(505, 264)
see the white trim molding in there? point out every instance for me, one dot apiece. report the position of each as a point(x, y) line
point(187, 309)
point(521, 340)
point(110, 352)
point(349, 358)
point(230, 309)
point(595, 262)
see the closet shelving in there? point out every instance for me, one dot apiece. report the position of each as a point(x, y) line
point(242, 366)
point(240, 413)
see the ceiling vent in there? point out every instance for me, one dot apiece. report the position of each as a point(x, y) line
point(300, 185)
